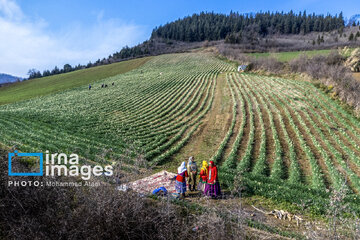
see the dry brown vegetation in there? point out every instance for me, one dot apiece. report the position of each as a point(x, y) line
point(103, 213)
point(297, 42)
point(357, 76)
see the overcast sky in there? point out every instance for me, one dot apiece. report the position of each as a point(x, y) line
point(42, 33)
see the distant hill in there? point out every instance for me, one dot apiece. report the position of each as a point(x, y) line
point(6, 78)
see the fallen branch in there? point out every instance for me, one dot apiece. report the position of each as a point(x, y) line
point(281, 214)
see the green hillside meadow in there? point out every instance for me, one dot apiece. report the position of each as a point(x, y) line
point(288, 56)
point(286, 138)
point(57, 83)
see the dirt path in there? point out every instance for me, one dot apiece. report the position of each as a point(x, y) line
point(205, 141)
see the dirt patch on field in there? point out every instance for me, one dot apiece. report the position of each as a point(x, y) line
point(206, 140)
point(356, 76)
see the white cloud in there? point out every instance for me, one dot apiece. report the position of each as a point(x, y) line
point(27, 43)
point(10, 9)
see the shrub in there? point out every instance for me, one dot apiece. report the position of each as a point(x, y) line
point(299, 64)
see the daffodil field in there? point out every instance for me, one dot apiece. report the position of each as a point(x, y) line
point(287, 139)
point(154, 108)
point(307, 145)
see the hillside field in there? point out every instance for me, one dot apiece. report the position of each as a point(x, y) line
point(57, 83)
point(288, 56)
point(287, 139)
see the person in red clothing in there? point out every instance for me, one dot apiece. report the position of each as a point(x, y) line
point(180, 183)
point(212, 188)
point(203, 176)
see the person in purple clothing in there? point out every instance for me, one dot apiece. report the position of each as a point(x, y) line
point(212, 188)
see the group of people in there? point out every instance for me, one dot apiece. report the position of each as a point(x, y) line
point(208, 178)
point(102, 85)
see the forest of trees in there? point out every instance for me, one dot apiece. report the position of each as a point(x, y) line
point(234, 28)
point(33, 73)
point(213, 26)
point(125, 53)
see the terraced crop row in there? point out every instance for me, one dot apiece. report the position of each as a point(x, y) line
point(320, 137)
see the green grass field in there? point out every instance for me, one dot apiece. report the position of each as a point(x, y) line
point(157, 105)
point(57, 83)
point(287, 139)
point(288, 56)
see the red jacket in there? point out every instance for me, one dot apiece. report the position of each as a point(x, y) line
point(213, 175)
point(203, 175)
point(181, 177)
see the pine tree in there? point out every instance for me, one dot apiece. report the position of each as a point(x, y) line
point(318, 40)
point(351, 37)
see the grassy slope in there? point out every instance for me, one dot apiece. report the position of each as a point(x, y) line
point(106, 118)
point(57, 83)
point(288, 56)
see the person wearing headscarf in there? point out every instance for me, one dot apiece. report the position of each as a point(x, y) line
point(192, 170)
point(203, 176)
point(180, 183)
point(212, 188)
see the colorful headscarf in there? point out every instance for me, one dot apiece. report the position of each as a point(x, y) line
point(204, 167)
point(182, 168)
